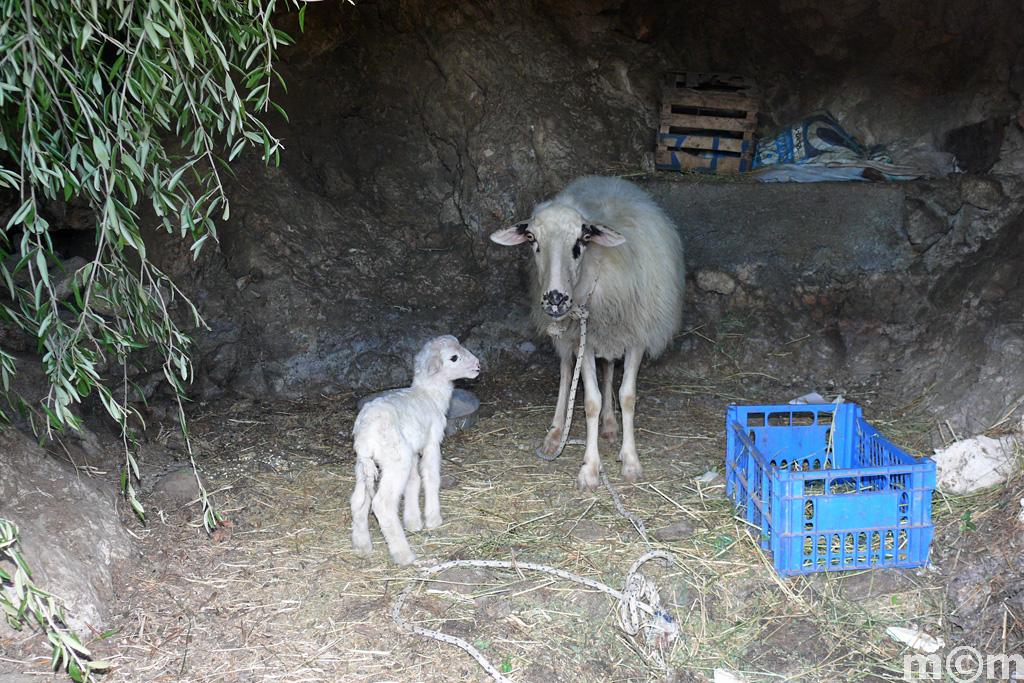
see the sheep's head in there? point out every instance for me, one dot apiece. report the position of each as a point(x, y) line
point(559, 236)
point(444, 358)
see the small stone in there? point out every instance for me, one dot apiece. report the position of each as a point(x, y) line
point(179, 488)
point(491, 608)
point(673, 532)
point(715, 280)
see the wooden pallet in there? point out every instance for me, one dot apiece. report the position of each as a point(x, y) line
point(707, 122)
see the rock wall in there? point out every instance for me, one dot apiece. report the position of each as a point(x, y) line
point(915, 285)
point(418, 127)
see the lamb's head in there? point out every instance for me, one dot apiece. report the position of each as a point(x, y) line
point(559, 236)
point(444, 359)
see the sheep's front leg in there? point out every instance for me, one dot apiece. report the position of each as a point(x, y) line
point(587, 479)
point(431, 467)
point(385, 506)
point(411, 511)
point(554, 435)
point(609, 429)
point(631, 469)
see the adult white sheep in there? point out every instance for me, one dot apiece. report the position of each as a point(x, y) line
point(389, 432)
point(603, 243)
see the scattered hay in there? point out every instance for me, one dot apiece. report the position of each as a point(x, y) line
point(281, 597)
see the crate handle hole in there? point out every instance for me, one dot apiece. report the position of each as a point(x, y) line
point(803, 419)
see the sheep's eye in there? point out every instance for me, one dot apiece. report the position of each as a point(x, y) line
point(530, 237)
point(586, 236)
point(455, 358)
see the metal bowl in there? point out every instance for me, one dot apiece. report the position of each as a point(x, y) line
point(463, 412)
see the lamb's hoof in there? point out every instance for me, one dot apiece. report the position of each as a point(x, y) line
point(362, 547)
point(403, 557)
point(434, 522)
point(586, 482)
point(414, 524)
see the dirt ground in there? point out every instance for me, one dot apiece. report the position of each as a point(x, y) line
point(279, 596)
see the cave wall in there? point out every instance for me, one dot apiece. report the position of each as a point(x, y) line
point(416, 128)
point(914, 286)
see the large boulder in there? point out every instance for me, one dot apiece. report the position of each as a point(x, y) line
point(70, 531)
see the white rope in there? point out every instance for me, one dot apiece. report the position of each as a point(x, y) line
point(635, 519)
point(580, 313)
point(638, 595)
point(556, 329)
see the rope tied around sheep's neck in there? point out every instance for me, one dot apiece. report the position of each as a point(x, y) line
point(557, 328)
point(638, 595)
point(579, 313)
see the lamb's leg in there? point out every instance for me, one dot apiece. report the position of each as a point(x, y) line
point(588, 477)
point(393, 477)
point(361, 508)
point(430, 463)
point(411, 511)
point(627, 400)
point(554, 435)
point(609, 429)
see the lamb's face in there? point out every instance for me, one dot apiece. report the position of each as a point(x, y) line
point(559, 236)
point(451, 361)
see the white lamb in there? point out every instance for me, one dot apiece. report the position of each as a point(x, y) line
point(389, 433)
point(603, 243)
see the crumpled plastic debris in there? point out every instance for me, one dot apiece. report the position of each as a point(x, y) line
point(977, 463)
point(728, 676)
point(817, 149)
point(814, 399)
point(916, 639)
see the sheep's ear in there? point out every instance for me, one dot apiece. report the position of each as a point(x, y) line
point(434, 364)
point(516, 234)
point(603, 235)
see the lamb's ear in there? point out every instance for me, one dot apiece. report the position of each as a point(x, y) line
point(603, 235)
point(434, 364)
point(516, 234)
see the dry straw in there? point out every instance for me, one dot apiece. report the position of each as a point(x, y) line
point(282, 598)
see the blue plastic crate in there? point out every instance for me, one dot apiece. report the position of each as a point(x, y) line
point(823, 490)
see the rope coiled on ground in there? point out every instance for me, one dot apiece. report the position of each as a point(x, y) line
point(638, 595)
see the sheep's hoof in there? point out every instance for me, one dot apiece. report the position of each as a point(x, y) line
point(631, 473)
point(415, 524)
point(362, 547)
point(586, 482)
point(549, 449)
point(610, 430)
point(434, 522)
